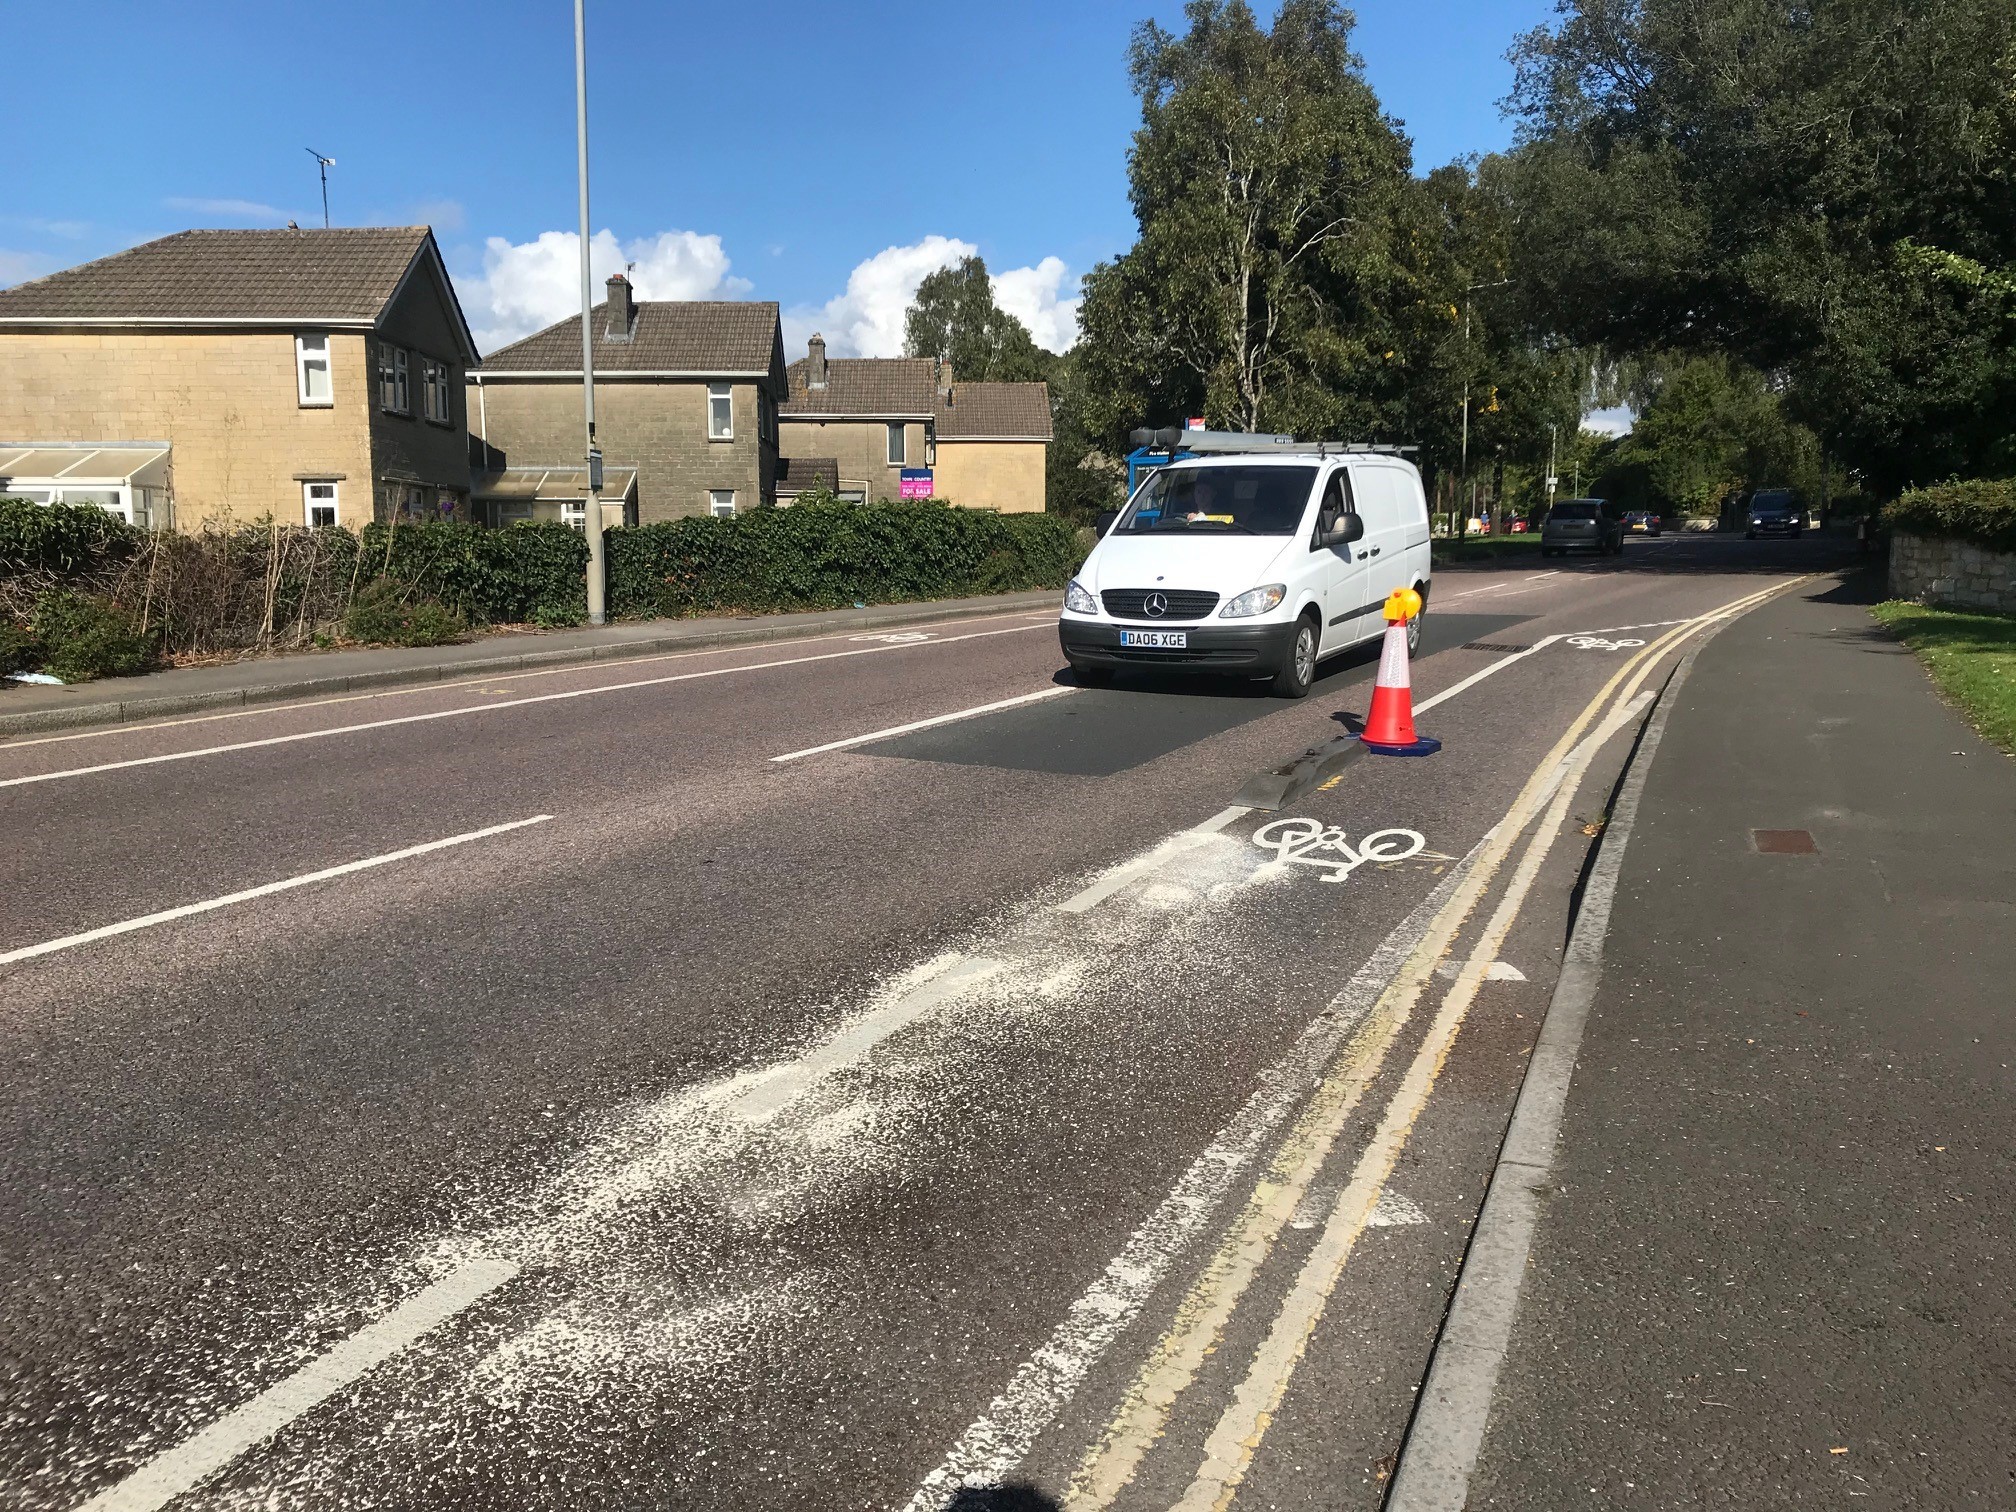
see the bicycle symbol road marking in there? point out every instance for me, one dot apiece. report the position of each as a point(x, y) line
point(1597, 643)
point(1310, 842)
point(897, 637)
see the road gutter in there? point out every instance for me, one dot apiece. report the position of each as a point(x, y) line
point(1446, 1436)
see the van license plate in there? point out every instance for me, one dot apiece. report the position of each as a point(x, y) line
point(1156, 640)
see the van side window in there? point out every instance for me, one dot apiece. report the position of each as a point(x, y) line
point(1336, 503)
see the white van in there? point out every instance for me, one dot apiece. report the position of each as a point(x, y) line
point(1256, 564)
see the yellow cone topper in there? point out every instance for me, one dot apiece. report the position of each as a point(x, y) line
point(1402, 604)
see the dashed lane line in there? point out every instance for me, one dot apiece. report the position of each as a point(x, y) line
point(926, 724)
point(475, 683)
point(266, 890)
point(489, 708)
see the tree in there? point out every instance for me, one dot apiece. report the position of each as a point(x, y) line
point(954, 317)
point(1263, 178)
point(1793, 185)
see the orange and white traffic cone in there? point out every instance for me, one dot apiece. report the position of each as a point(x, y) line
point(1389, 724)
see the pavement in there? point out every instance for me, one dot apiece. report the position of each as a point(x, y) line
point(27, 707)
point(1772, 1265)
point(831, 1072)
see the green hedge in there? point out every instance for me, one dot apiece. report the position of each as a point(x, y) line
point(825, 556)
point(62, 539)
point(510, 576)
point(1981, 510)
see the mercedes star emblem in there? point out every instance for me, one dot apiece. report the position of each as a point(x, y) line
point(1156, 604)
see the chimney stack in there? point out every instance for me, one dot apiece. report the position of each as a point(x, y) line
point(945, 379)
point(815, 362)
point(622, 308)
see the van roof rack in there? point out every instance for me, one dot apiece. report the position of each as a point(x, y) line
point(1219, 443)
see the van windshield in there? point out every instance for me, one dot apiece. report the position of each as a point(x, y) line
point(1217, 500)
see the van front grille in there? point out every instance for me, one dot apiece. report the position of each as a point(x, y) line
point(1183, 604)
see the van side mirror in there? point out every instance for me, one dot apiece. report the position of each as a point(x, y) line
point(1105, 520)
point(1349, 529)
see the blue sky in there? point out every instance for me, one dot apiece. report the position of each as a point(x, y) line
point(822, 155)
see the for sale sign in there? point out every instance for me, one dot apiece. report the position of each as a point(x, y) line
point(916, 483)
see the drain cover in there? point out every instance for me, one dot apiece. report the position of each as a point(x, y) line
point(1491, 646)
point(1783, 842)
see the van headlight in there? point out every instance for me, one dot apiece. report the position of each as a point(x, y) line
point(1078, 601)
point(1254, 601)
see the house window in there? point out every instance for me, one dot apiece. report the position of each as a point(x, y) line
point(434, 389)
point(393, 391)
point(318, 504)
point(720, 412)
point(574, 512)
point(896, 453)
point(721, 501)
point(311, 370)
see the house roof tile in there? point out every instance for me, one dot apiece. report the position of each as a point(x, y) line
point(346, 274)
point(801, 473)
point(997, 411)
point(668, 336)
point(864, 386)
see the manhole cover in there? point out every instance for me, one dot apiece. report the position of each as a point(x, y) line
point(1783, 842)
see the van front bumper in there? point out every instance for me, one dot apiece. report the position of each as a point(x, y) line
point(1253, 649)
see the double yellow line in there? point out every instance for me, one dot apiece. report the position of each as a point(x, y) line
point(1206, 1310)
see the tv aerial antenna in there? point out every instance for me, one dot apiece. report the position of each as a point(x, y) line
point(325, 164)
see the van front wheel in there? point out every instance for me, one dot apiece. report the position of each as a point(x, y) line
point(1299, 670)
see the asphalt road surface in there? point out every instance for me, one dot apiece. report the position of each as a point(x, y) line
point(869, 1072)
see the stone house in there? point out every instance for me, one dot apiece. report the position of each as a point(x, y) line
point(993, 444)
point(313, 376)
point(866, 421)
point(686, 404)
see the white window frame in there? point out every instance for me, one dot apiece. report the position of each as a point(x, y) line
point(395, 383)
point(724, 395)
point(311, 350)
point(721, 502)
point(434, 390)
point(574, 512)
point(896, 446)
point(309, 503)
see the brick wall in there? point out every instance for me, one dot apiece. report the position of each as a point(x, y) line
point(657, 425)
point(226, 402)
point(1938, 570)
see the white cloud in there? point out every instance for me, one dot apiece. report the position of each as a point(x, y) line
point(233, 209)
point(1045, 299)
point(527, 286)
point(1616, 421)
point(867, 320)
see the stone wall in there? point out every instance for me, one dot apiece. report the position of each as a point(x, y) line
point(1939, 570)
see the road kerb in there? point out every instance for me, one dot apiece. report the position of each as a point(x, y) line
point(1443, 1442)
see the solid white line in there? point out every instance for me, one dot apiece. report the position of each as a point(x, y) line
point(1476, 677)
point(924, 724)
point(1115, 878)
point(173, 1472)
point(484, 708)
point(187, 910)
point(614, 663)
point(1046, 1382)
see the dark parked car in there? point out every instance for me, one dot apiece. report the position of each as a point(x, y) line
point(1583, 525)
point(1774, 511)
point(1642, 522)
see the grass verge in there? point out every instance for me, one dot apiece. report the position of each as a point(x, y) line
point(1971, 655)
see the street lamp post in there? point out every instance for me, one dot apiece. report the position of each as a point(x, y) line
point(591, 522)
point(1464, 519)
